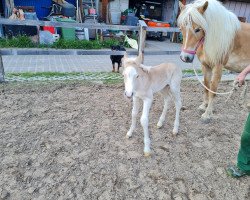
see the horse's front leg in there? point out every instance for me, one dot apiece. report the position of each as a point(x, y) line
point(144, 122)
point(216, 77)
point(135, 110)
point(207, 72)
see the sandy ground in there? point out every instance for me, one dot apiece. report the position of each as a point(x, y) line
point(64, 140)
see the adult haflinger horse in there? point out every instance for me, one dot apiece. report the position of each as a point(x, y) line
point(142, 82)
point(219, 40)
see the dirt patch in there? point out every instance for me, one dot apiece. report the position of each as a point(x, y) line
point(67, 141)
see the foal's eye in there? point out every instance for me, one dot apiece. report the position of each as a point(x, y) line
point(137, 76)
point(197, 30)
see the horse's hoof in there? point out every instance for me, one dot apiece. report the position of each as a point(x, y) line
point(206, 120)
point(147, 154)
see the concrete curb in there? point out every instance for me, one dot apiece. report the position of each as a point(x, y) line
point(16, 51)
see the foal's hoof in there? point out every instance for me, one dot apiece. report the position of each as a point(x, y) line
point(205, 119)
point(159, 125)
point(147, 154)
point(175, 132)
point(128, 136)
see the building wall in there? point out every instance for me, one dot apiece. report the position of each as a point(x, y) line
point(170, 10)
point(241, 9)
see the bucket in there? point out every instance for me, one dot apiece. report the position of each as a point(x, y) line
point(80, 34)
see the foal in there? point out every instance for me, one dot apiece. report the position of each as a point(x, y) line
point(142, 82)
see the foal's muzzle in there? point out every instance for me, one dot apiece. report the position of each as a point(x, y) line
point(128, 94)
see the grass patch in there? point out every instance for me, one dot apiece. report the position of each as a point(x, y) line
point(191, 71)
point(91, 75)
point(26, 42)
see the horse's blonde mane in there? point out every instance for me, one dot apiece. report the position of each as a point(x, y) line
point(220, 26)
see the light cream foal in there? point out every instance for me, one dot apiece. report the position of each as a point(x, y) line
point(142, 82)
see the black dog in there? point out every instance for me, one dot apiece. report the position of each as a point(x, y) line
point(117, 58)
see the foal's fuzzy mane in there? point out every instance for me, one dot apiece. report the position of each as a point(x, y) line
point(219, 24)
point(131, 62)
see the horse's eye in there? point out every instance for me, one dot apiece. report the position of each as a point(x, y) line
point(137, 76)
point(197, 30)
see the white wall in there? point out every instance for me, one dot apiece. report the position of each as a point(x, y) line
point(119, 5)
point(115, 9)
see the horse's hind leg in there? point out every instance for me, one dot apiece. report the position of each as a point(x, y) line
point(166, 93)
point(216, 77)
point(135, 111)
point(176, 94)
point(207, 79)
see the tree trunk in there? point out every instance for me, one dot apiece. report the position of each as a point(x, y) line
point(1, 70)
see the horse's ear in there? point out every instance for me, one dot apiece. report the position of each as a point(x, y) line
point(181, 5)
point(203, 8)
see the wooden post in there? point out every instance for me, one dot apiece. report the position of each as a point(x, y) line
point(1, 70)
point(142, 37)
point(104, 9)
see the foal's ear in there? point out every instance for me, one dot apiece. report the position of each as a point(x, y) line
point(181, 5)
point(203, 8)
point(139, 58)
point(125, 55)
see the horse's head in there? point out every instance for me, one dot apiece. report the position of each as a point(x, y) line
point(192, 29)
point(130, 73)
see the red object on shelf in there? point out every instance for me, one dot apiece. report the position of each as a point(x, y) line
point(50, 29)
point(158, 24)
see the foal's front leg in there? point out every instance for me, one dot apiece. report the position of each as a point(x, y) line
point(135, 111)
point(144, 122)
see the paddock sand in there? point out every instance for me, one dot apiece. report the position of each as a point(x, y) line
point(66, 140)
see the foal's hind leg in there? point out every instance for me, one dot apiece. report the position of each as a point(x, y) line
point(167, 98)
point(176, 94)
point(135, 111)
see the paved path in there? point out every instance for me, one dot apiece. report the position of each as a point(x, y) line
point(89, 63)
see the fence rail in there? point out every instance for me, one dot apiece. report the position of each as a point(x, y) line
point(142, 28)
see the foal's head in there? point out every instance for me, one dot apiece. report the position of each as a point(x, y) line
point(131, 73)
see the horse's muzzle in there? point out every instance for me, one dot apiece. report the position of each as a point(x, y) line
point(187, 58)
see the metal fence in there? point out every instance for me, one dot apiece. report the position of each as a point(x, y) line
point(142, 29)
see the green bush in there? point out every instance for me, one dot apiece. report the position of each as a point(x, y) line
point(19, 42)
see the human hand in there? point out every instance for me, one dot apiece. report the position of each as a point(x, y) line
point(241, 79)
